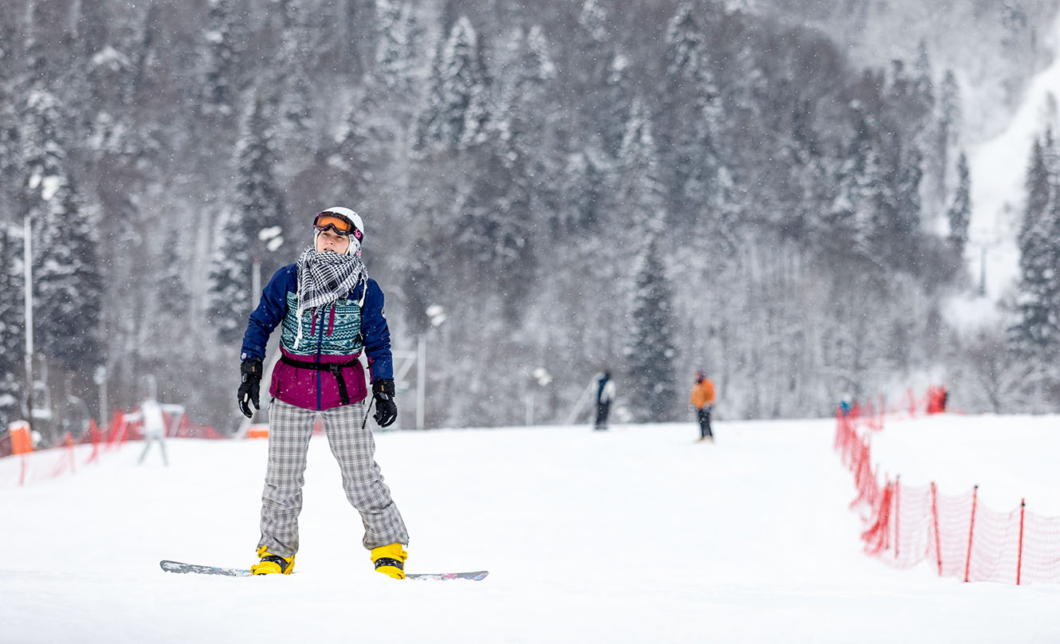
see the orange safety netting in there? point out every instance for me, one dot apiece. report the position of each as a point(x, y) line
point(959, 535)
point(31, 466)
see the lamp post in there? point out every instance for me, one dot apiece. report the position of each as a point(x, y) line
point(100, 378)
point(27, 246)
point(437, 316)
point(541, 378)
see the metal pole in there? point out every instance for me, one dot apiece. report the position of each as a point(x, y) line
point(971, 532)
point(103, 402)
point(28, 261)
point(897, 511)
point(421, 379)
point(935, 518)
point(982, 273)
point(255, 283)
point(1019, 557)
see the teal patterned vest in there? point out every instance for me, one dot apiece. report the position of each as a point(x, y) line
point(345, 338)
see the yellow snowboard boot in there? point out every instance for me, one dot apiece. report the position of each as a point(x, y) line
point(390, 560)
point(271, 564)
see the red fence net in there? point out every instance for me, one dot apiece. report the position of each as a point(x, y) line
point(41, 465)
point(959, 535)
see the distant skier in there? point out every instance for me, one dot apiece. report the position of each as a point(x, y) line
point(703, 400)
point(605, 393)
point(153, 422)
point(330, 310)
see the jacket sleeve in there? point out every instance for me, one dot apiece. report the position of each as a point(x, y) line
point(269, 314)
point(376, 334)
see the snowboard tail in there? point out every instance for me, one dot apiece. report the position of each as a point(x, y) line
point(187, 568)
point(184, 568)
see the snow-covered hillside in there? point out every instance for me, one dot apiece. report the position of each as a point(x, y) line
point(999, 170)
point(638, 534)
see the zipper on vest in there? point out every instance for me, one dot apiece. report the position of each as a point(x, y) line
point(320, 348)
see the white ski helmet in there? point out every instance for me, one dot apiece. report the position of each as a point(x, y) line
point(357, 235)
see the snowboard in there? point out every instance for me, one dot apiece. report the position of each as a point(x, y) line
point(184, 568)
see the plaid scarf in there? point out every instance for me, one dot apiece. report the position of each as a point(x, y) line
point(324, 278)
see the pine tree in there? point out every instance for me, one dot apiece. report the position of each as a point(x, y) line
point(960, 212)
point(68, 281)
point(593, 19)
point(220, 83)
point(258, 193)
point(858, 180)
point(924, 86)
point(230, 282)
point(947, 135)
point(395, 52)
point(175, 300)
point(642, 197)
point(618, 95)
point(296, 88)
point(365, 141)
point(651, 349)
point(1036, 333)
point(457, 106)
point(907, 246)
point(684, 47)
point(12, 326)
point(582, 197)
point(690, 122)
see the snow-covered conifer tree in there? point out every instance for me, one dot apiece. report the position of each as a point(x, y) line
point(219, 88)
point(395, 53)
point(12, 326)
point(67, 276)
point(1036, 333)
point(618, 95)
point(690, 122)
point(230, 280)
point(642, 198)
point(457, 106)
point(258, 193)
point(297, 93)
point(947, 135)
point(960, 211)
point(651, 346)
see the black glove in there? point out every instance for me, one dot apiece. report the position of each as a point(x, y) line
point(249, 387)
point(385, 408)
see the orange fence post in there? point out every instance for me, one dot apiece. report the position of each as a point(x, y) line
point(21, 440)
point(70, 448)
point(897, 509)
point(1019, 558)
point(935, 518)
point(971, 531)
point(94, 433)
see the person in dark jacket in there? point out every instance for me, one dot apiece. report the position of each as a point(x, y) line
point(329, 312)
point(605, 393)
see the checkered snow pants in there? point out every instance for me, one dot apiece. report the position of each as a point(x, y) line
point(290, 428)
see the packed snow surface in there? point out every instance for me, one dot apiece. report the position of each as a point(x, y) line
point(638, 534)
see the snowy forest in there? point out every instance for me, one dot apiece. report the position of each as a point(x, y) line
point(776, 192)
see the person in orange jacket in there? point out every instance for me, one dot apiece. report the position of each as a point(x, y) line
point(703, 400)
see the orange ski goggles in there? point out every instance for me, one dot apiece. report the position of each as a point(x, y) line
point(339, 224)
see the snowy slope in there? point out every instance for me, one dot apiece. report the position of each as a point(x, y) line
point(998, 169)
point(634, 535)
